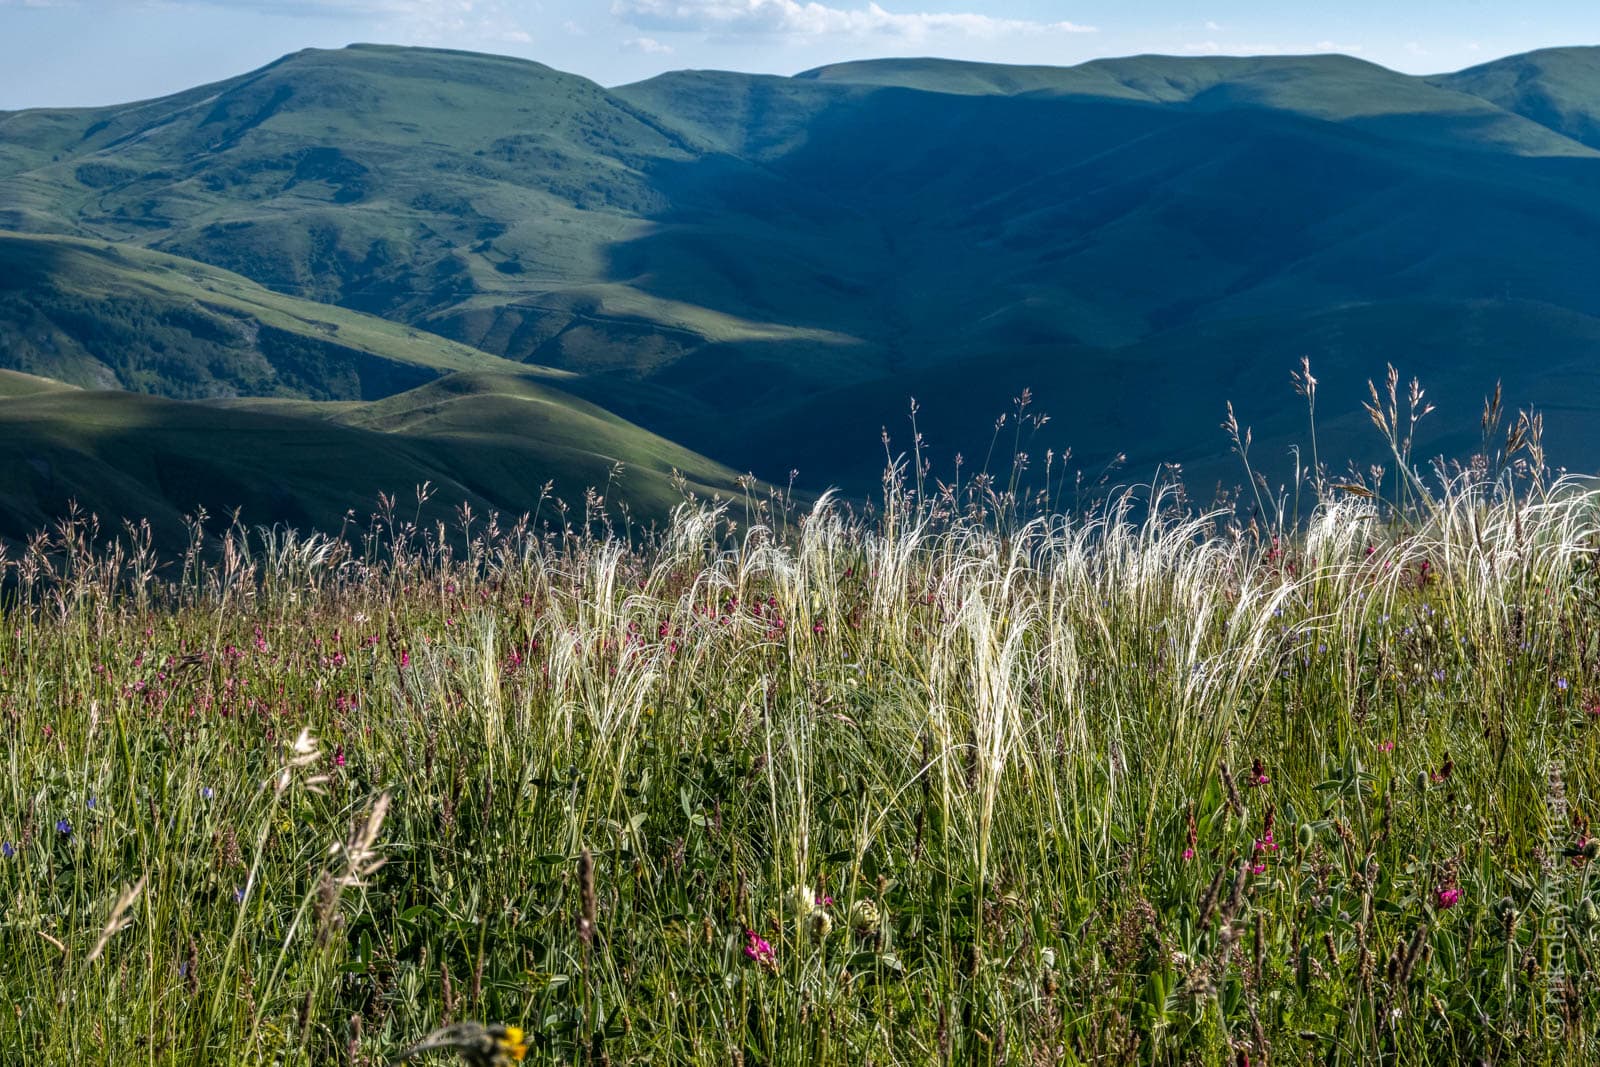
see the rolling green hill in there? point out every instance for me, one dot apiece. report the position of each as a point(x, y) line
point(118, 316)
point(489, 440)
point(1556, 87)
point(763, 269)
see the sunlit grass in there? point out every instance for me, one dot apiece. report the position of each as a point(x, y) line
point(1135, 785)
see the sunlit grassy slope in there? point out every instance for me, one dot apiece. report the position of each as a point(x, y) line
point(119, 316)
point(490, 441)
point(933, 788)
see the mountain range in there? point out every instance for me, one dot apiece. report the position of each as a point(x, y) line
point(486, 272)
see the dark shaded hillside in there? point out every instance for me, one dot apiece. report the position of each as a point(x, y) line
point(765, 268)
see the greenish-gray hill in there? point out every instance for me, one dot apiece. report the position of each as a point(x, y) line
point(764, 269)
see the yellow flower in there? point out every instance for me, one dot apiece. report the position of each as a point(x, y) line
point(478, 1045)
point(511, 1041)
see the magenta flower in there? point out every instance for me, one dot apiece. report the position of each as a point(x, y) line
point(1188, 854)
point(1447, 897)
point(759, 949)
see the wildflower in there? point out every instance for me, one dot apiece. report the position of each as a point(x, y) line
point(864, 916)
point(63, 826)
point(1188, 854)
point(478, 1045)
point(1258, 773)
point(1447, 897)
point(405, 659)
point(1385, 746)
point(1259, 868)
point(338, 756)
point(802, 901)
point(238, 895)
point(1561, 684)
point(7, 850)
point(819, 924)
point(757, 948)
point(206, 792)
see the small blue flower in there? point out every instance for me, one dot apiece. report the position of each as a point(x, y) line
point(238, 896)
point(1561, 684)
point(91, 803)
point(63, 826)
point(6, 850)
point(206, 793)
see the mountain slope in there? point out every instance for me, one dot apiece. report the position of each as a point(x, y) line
point(1558, 88)
point(118, 316)
point(487, 440)
point(713, 255)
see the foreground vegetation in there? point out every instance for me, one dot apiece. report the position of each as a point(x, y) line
point(932, 785)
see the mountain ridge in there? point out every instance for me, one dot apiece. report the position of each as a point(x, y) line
point(711, 255)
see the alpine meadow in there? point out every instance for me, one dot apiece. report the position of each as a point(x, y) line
point(913, 562)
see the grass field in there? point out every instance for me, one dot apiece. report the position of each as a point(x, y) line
point(938, 784)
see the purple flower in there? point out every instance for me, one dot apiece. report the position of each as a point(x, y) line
point(63, 826)
point(6, 850)
point(91, 803)
point(1448, 897)
point(206, 792)
point(759, 949)
point(1561, 684)
point(238, 896)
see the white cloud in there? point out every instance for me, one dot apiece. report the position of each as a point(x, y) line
point(648, 45)
point(1212, 26)
point(1266, 48)
point(415, 21)
point(812, 19)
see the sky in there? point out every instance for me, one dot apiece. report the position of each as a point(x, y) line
point(86, 52)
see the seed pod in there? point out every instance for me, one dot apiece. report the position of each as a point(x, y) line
point(587, 896)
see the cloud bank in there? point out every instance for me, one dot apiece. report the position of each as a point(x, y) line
point(809, 19)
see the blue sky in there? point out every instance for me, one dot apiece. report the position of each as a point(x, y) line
point(73, 52)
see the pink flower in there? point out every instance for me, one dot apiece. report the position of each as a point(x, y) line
point(405, 659)
point(1386, 746)
point(1447, 897)
point(1188, 854)
point(1260, 868)
point(759, 949)
point(338, 756)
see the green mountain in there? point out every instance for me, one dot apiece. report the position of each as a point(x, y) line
point(1559, 88)
point(764, 269)
point(117, 316)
